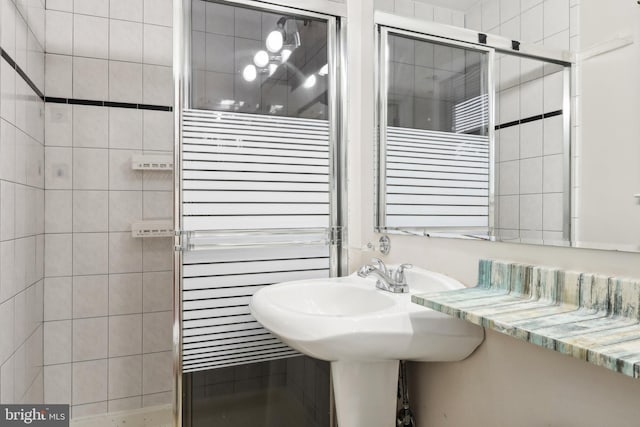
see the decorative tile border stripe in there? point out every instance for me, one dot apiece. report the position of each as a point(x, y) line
point(13, 64)
point(529, 119)
point(591, 317)
point(97, 103)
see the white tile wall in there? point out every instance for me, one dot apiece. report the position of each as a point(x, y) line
point(90, 339)
point(509, 181)
point(90, 126)
point(490, 15)
point(509, 9)
point(57, 383)
point(90, 211)
point(101, 282)
point(58, 294)
point(157, 45)
point(125, 293)
point(59, 34)
point(125, 128)
point(125, 377)
point(125, 82)
point(531, 139)
point(125, 335)
point(58, 76)
point(22, 199)
point(92, 7)
point(91, 78)
point(90, 36)
point(531, 212)
point(125, 207)
point(90, 296)
point(89, 382)
point(126, 9)
point(125, 41)
point(413, 8)
point(532, 24)
point(157, 84)
point(57, 340)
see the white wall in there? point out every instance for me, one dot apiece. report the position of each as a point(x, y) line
point(21, 202)
point(506, 381)
point(610, 129)
point(108, 296)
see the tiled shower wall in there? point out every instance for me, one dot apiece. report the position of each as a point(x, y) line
point(421, 10)
point(21, 200)
point(108, 296)
point(529, 173)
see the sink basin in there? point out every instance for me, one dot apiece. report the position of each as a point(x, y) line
point(326, 298)
point(364, 332)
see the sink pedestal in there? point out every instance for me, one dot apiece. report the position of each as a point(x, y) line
point(365, 332)
point(365, 392)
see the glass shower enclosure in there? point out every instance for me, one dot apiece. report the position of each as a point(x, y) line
point(258, 195)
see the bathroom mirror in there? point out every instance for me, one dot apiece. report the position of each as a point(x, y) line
point(473, 137)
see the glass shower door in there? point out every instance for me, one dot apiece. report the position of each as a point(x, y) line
point(258, 154)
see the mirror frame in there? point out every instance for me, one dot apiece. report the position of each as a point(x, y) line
point(385, 24)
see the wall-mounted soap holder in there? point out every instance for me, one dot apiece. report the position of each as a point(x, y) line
point(153, 228)
point(152, 162)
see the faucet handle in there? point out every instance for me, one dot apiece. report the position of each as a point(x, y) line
point(380, 264)
point(398, 276)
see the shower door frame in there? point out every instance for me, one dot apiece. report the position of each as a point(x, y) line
point(334, 15)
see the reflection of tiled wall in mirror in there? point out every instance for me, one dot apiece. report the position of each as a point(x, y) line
point(530, 154)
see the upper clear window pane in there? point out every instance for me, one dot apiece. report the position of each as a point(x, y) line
point(250, 61)
point(436, 87)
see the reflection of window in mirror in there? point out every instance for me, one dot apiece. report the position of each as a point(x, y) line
point(436, 137)
point(436, 87)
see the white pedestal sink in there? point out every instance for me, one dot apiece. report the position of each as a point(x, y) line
point(364, 332)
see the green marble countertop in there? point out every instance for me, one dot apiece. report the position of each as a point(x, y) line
point(591, 317)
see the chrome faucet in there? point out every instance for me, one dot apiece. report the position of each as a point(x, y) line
point(387, 279)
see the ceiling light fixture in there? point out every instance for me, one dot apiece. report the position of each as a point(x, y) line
point(261, 59)
point(275, 40)
point(249, 73)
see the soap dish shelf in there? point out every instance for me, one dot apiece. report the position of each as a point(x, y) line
point(153, 228)
point(152, 162)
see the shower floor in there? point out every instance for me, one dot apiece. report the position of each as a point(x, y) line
point(265, 408)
